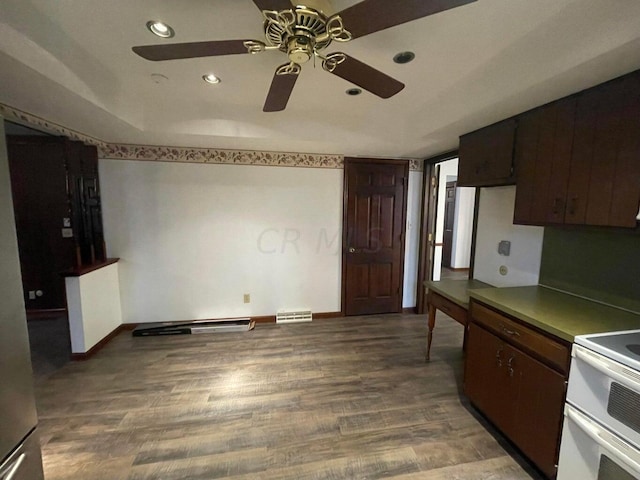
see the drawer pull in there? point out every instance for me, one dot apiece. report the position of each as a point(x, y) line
point(499, 357)
point(510, 365)
point(513, 333)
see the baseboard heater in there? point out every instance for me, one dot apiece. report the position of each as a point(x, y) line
point(294, 317)
point(194, 327)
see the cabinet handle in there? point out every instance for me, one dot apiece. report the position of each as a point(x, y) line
point(510, 365)
point(513, 333)
point(498, 357)
point(557, 205)
point(572, 205)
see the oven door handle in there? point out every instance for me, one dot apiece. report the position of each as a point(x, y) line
point(606, 366)
point(605, 440)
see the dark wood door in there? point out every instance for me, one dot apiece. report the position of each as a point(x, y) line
point(449, 221)
point(373, 235)
point(41, 205)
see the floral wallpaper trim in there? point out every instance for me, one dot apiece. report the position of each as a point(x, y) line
point(219, 156)
point(11, 113)
point(184, 154)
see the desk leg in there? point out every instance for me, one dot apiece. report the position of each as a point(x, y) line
point(432, 324)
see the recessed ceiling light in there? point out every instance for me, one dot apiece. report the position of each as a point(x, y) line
point(353, 91)
point(160, 29)
point(211, 78)
point(404, 57)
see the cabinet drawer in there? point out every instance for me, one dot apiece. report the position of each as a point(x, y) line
point(445, 305)
point(548, 350)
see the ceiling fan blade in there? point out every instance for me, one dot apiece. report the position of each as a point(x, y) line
point(372, 16)
point(273, 4)
point(367, 77)
point(280, 91)
point(175, 51)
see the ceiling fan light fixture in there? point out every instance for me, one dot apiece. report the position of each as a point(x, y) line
point(404, 57)
point(353, 92)
point(211, 78)
point(160, 29)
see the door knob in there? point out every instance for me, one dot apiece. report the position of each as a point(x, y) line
point(352, 250)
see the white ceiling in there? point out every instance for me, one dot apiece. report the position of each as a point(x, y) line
point(70, 61)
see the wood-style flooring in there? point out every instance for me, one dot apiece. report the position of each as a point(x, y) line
point(347, 398)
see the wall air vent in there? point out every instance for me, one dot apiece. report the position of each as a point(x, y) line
point(294, 317)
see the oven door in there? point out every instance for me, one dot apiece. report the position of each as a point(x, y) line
point(606, 391)
point(590, 452)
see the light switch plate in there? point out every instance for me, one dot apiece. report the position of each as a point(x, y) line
point(67, 233)
point(504, 248)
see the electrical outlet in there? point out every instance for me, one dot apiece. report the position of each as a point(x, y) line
point(503, 270)
point(247, 298)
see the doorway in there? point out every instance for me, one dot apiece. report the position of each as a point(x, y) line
point(39, 188)
point(447, 225)
point(375, 206)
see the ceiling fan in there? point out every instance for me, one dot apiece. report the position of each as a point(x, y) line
point(304, 31)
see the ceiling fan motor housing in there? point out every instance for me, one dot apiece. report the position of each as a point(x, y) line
point(300, 49)
point(309, 25)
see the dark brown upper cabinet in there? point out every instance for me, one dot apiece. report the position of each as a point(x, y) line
point(543, 162)
point(578, 159)
point(486, 156)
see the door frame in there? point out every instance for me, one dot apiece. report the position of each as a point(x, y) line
point(345, 205)
point(429, 202)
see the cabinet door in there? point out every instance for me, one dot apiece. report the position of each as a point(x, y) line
point(486, 156)
point(614, 184)
point(539, 407)
point(487, 382)
point(543, 158)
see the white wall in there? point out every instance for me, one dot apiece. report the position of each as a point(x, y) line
point(412, 240)
point(495, 223)
point(93, 301)
point(463, 227)
point(194, 238)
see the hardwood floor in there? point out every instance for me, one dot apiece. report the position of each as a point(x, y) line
point(335, 399)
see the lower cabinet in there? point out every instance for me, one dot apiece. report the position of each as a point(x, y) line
point(517, 390)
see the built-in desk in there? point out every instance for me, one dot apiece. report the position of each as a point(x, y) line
point(452, 298)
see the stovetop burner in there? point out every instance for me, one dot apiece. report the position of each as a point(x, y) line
point(634, 348)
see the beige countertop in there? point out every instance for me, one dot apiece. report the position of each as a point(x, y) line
point(456, 290)
point(557, 313)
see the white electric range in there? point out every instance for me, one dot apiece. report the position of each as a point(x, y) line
point(601, 433)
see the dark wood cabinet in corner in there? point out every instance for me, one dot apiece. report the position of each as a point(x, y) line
point(56, 199)
point(578, 159)
point(486, 156)
point(517, 378)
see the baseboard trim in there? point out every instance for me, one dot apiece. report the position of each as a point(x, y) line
point(410, 310)
point(457, 269)
point(80, 357)
point(130, 326)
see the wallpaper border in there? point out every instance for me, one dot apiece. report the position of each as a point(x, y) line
point(150, 153)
